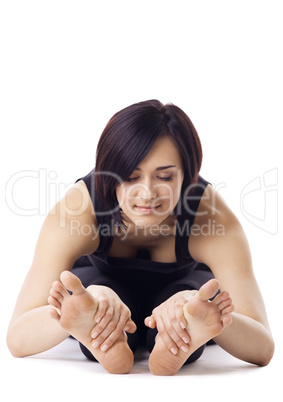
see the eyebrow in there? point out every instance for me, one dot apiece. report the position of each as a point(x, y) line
point(160, 167)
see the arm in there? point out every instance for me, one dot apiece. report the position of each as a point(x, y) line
point(32, 330)
point(248, 337)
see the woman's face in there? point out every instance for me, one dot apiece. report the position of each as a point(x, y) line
point(153, 189)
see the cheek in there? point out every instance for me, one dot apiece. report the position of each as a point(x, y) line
point(124, 195)
point(169, 192)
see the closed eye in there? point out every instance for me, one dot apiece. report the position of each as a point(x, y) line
point(161, 178)
point(166, 178)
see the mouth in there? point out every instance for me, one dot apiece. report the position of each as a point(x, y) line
point(146, 209)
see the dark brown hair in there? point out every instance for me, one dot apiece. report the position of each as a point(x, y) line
point(129, 136)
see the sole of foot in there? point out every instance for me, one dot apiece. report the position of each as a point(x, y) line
point(205, 320)
point(75, 313)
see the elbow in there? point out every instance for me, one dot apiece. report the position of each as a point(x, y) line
point(13, 346)
point(268, 355)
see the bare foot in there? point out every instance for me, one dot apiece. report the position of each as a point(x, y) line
point(206, 319)
point(75, 314)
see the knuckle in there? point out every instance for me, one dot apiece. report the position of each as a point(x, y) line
point(161, 330)
point(126, 314)
point(120, 327)
point(99, 340)
point(111, 326)
point(109, 313)
point(104, 304)
point(127, 311)
point(103, 301)
point(154, 312)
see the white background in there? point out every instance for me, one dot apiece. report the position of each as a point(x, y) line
point(67, 66)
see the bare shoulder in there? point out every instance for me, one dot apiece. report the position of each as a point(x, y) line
point(73, 218)
point(216, 231)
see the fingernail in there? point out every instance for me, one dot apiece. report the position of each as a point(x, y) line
point(185, 340)
point(126, 328)
point(94, 335)
point(104, 348)
point(149, 323)
point(174, 351)
point(95, 344)
point(184, 349)
point(182, 325)
point(98, 320)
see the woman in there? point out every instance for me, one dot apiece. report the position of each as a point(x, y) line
point(141, 245)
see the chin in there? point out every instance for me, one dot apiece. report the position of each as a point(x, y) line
point(145, 222)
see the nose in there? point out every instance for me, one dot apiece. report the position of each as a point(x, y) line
point(146, 192)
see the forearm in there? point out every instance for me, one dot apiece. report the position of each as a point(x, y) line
point(247, 340)
point(34, 332)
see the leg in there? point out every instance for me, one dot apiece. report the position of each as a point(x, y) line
point(205, 320)
point(76, 314)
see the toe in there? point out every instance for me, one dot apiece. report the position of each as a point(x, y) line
point(54, 313)
point(225, 303)
point(56, 295)
point(221, 297)
point(54, 302)
point(59, 288)
point(71, 282)
point(226, 321)
point(227, 310)
point(208, 290)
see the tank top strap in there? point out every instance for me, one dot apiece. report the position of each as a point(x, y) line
point(189, 207)
point(185, 220)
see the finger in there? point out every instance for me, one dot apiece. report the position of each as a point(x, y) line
point(100, 339)
point(99, 328)
point(177, 334)
point(101, 310)
point(182, 322)
point(170, 344)
point(130, 326)
point(150, 322)
point(115, 330)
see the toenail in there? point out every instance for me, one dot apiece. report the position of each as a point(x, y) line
point(104, 348)
point(174, 351)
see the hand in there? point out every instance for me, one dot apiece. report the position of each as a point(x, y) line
point(112, 317)
point(169, 319)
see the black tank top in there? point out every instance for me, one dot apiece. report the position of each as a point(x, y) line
point(185, 218)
